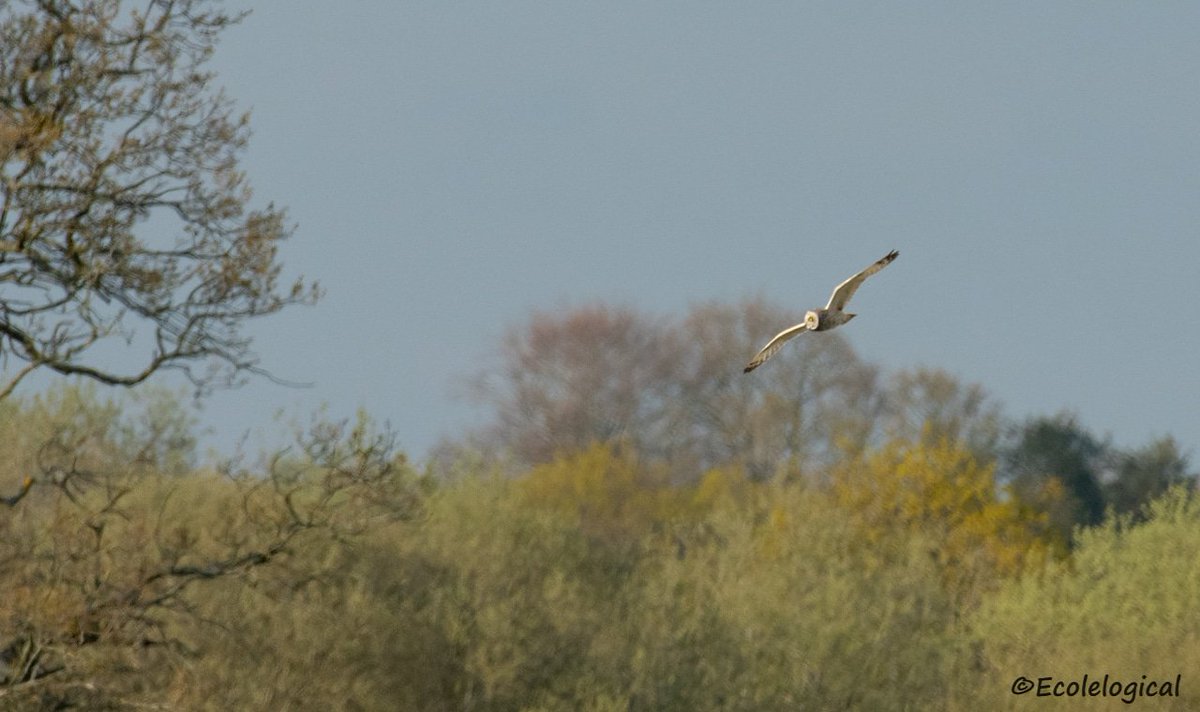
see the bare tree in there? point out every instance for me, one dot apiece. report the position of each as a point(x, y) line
point(674, 391)
point(931, 403)
point(593, 374)
point(123, 213)
point(810, 403)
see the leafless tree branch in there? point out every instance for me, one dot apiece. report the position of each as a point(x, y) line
point(123, 213)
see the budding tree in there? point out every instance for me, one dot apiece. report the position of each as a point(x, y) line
point(123, 213)
point(675, 391)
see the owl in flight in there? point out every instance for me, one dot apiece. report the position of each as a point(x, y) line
point(833, 315)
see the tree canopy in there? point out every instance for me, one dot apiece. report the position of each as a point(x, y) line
point(124, 215)
point(638, 526)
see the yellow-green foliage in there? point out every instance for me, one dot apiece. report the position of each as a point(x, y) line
point(937, 488)
point(610, 496)
point(494, 603)
point(900, 579)
point(605, 492)
point(776, 606)
point(1123, 605)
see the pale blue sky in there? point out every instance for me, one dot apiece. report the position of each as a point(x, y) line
point(452, 166)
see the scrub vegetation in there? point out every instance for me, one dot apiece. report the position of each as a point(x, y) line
point(637, 526)
point(916, 572)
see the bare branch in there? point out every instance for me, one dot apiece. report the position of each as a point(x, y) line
point(123, 212)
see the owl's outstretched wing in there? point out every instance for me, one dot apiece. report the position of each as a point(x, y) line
point(773, 346)
point(842, 293)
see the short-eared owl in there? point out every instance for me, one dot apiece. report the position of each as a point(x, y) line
point(822, 319)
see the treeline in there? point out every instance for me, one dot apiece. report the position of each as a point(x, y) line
point(667, 390)
point(910, 547)
point(639, 527)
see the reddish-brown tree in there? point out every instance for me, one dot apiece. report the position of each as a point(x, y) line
point(673, 390)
